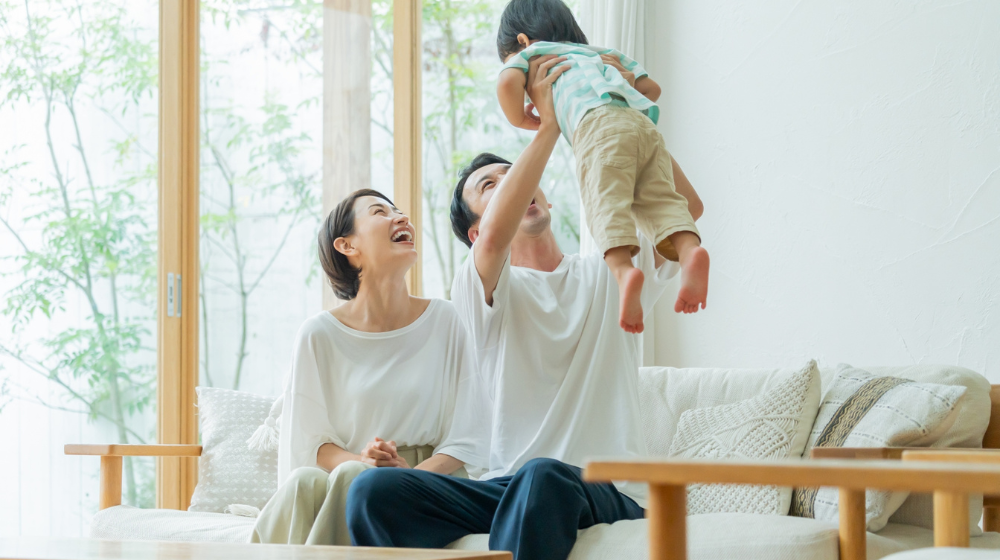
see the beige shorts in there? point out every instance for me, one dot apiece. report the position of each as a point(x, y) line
point(627, 181)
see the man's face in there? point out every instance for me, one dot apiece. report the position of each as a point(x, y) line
point(482, 184)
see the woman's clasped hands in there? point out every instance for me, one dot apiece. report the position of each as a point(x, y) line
point(381, 453)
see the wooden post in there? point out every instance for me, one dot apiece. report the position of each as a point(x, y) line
point(667, 515)
point(853, 525)
point(407, 118)
point(111, 481)
point(991, 514)
point(177, 325)
point(951, 519)
point(347, 125)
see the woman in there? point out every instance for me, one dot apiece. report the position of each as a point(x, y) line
point(383, 381)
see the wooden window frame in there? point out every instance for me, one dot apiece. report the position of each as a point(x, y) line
point(179, 214)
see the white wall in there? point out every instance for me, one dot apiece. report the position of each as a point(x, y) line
point(848, 154)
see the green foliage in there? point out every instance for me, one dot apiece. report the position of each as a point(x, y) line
point(81, 239)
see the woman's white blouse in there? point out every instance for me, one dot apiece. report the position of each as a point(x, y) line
point(416, 385)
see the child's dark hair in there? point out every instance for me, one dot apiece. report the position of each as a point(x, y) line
point(540, 20)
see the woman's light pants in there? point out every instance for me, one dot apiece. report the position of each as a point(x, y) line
point(309, 507)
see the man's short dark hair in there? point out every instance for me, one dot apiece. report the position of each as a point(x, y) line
point(462, 217)
point(344, 278)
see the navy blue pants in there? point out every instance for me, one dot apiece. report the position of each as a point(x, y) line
point(535, 514)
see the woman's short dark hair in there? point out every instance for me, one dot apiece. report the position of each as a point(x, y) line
point(540, 20)
point(344, 278)
point(462, 217)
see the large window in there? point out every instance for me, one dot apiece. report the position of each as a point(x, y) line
point(78, 254)
point(278, 79)
point(461, 119)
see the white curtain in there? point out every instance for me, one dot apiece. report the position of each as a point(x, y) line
point(617, 24)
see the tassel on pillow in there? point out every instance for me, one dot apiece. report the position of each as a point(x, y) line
point(265, 438)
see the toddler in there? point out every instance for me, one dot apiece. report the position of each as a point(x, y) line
point(625, 171)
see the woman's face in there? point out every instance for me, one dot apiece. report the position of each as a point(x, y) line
point(382, 239)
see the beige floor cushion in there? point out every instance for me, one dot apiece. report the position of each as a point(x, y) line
point(946, 554)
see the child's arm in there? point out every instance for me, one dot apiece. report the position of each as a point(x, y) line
point(510, 93)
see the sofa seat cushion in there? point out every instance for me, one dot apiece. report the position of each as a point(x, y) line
point(741, 536)
point(946, 554)
point(129, 523)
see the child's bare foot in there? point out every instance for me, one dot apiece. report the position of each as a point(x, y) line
point(694, 281)
point(630, 306)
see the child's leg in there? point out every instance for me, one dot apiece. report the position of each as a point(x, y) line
point(605, 147)
point(694, 272)
point(663, 217)
point(629, 280)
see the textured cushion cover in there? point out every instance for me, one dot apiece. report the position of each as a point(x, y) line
point(129, 523)
point(665, 393)
point(229, 472)
point(740, 536)
point(972, 415)
point(772, 425)
point(865, 410)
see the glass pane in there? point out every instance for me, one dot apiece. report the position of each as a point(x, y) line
point(78, 242)
point(287, 87)
point(461, 119)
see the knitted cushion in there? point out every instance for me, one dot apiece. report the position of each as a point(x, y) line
point(772, 425)
point(864, 410)
point(228, 471)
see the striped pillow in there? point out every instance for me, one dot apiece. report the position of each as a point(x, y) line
point(862, 410)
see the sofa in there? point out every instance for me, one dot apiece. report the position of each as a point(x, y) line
point(672, 402)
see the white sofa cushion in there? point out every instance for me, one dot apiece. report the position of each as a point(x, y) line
point(740, 536)
point(772, 425)
point(865, 410)
point(129, 523)
point(228, 471)
point(946, 553)
point(665, 393)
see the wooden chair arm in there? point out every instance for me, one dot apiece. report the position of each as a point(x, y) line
point(866, 453)
point(125, 450)
point(951, 483)
point(111, 462)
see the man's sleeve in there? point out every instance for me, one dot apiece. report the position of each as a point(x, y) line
point(482, 320)
point(467, 437)
point(656, 279)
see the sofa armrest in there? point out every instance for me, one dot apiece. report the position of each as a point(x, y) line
point(126, 450)
point(951, 483)
point(111, 462)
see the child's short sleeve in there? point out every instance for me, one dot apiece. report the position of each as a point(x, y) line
point(629, 64)
point(518, 61)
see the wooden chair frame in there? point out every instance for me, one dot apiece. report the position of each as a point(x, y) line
point(857, 470)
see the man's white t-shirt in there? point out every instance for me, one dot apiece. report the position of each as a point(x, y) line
point(416, 385)
point(561, 373)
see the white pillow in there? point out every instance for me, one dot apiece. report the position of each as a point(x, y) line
point(229, 472)
point(773, 425)
point(864, 410)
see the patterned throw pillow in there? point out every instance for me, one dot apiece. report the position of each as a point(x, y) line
point(229, 472)
point(773, 425)
point(862, 410)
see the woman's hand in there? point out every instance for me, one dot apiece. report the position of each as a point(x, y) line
point(381, 453)
point(542, 73)
point(614, 62)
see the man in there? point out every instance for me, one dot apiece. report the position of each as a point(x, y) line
point(559, 374)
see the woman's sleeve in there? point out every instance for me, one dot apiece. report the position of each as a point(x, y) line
point(305, 422)
point(466, 434)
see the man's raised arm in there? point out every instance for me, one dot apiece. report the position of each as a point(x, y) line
point(513, 195)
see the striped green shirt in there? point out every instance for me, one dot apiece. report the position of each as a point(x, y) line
point(588, 84)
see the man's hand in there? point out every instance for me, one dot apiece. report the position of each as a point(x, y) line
point(543, 71)
point(613, 61)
